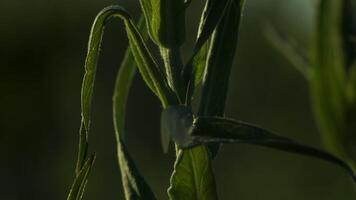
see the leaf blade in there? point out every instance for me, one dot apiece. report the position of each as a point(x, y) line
point(222, 130)
point(219, 62)
point(211, 16)
point(135, 187)
point(77, 189)
point(192, 177)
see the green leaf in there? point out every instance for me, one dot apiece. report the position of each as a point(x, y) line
point(329, 76)
point(192, 177)
point(165, 21)
point(290, 49)
point(77, 189)
point(207, 130)
point(219, 61)
point(212, 14)
point(135, 187)
point(149, 70)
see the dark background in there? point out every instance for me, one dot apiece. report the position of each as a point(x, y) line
point(42, 51)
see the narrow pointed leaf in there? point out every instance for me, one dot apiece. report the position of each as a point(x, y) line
point(150, 72)
point(77, 189)
point(134, 184)
point(148, 68)
point(221, 130)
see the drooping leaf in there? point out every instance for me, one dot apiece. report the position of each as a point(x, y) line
point(134, 184)
point(149, 70)
point(206, 130)
point(77, 189)
point(192, 177)
point(290, 49)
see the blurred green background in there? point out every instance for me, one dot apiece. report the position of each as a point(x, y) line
point(43, 46)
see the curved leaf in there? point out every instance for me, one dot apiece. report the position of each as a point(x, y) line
point(148, 68)
point(150, 72)
point(134, 184)
point(222, 130)
point(188, 133)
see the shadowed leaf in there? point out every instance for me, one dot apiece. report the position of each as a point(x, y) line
point(207, 130)
point(134, 184)
point(165, 21)
point(213, 12)
point(192, 177)
point(77, 189)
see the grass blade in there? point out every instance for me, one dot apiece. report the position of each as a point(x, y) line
point(77, 189)
point(134, 184)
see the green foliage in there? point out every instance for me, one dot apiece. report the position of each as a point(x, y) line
point(219, 61)
point(193, 177)
point(134, 185)
point(77, 190)
point(330, 71)
point(165, 21)
point(210, 64)
point(194, 70)
point(189, 131)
